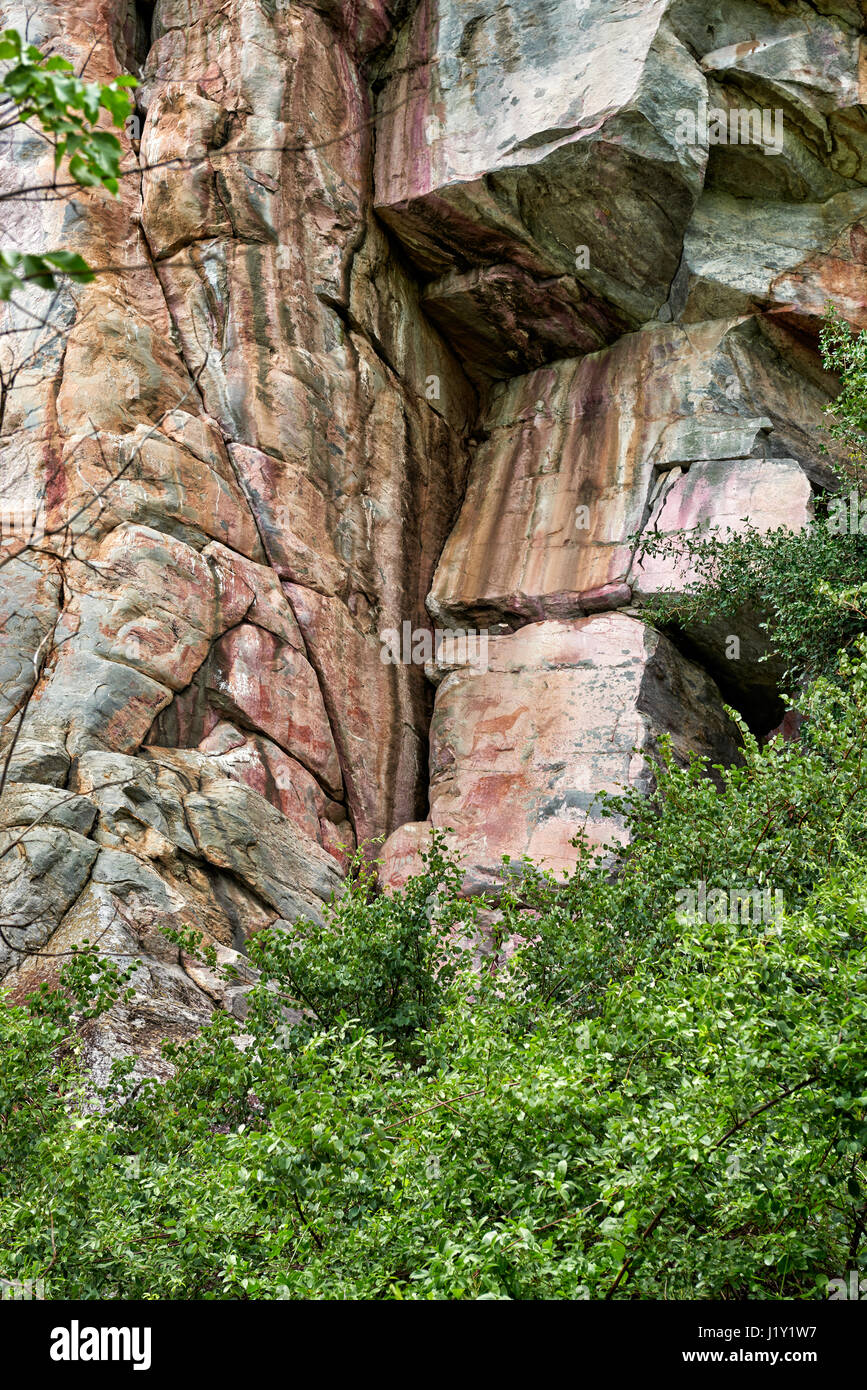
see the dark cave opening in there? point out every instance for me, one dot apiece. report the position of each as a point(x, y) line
point(756, 697)
point(144, 22)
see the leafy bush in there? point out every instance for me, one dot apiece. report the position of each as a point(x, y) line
point(386, 961)
point(844, 351)
point(803, 585)
point(637, 1105)
point(659, 1094)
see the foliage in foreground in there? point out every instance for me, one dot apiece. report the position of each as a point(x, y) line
point(44, 94)
point(638, 1107)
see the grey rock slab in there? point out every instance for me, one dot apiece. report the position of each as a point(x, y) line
point(24, 803)
point(236, 829)
point(40, 878)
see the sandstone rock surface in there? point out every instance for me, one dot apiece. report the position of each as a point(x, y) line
point(564, 710)
point(408, 313)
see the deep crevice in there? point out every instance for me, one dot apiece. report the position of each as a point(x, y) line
point(143, 11)
point(760, 704)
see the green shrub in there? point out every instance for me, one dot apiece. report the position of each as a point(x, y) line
point(638, 1105)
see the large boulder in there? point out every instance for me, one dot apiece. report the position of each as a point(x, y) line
point(542, 136)
point(522, 745)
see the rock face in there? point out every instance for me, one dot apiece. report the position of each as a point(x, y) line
point(411, 315)
point(563, 710)
point(576, 453)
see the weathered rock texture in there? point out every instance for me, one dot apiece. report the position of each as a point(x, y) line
point(563, 711)
point(411, 314)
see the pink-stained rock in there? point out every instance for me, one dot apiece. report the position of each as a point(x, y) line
point(718, 497)
point(286, 783)
point(789, 727)
point(381, 755)
point(365, 24)
point(361, 252)
point(338, 840)
point(394, 312)
point(539, 141)
point(272, 687)
point(154, 483)
point(571, 455)
point(341, 406)
point(182, 202)
point(142, 612)
point(260, 598)
point(401, 857)
point(29, 609)
point(793, 260)
point(84, 701)
point(501, 320)
point(138, 476)
point(519, 752)
point(835, 274)
point(721, 497)
point(157, 604)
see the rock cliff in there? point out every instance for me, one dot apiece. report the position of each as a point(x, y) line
point(411, 318)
